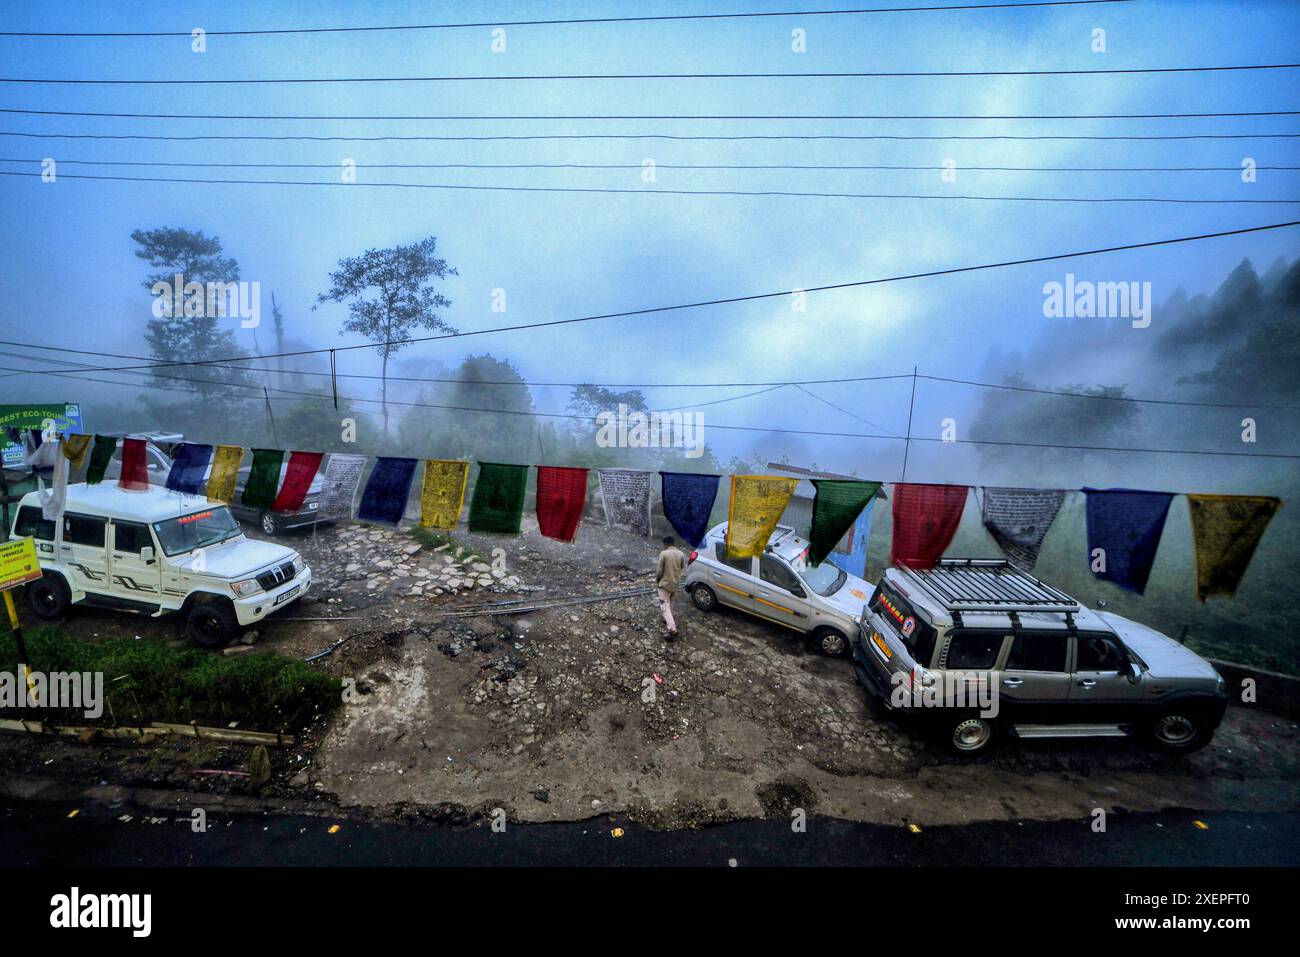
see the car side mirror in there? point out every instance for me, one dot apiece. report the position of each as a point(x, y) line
point(1134, 671)
point(146, 554)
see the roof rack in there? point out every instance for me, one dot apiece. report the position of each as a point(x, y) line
point(988, 585)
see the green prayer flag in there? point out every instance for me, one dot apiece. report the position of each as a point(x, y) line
point(263, 478)
point(498, 503)
point(837, 504)
point(105, 446)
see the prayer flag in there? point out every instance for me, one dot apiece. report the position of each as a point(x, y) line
point(75, 448)
point(688, 503)
point(925, 519)
point(135, 473)
point(1124, 528)
point(105, 446)
point(387, 490)
point(837, 504)
point(298, 476)
point(342, 478)
point(1018, 520)
point(189, 468)
point(561, 497)
point(442, 496)
point(263, 479)
point(1225, 531)
point(225, 470)
point(625, 496)
point(498, 504)
point(757, 502)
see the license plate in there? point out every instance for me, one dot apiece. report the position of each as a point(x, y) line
point(312, 506)
point(287, 595)
point(880, 643)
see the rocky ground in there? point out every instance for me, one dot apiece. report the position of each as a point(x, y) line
point(574, 710)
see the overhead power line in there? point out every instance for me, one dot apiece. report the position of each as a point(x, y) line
point(672, 137)
point(740, 15)
point(657, 191)
point(699, 304)
point(512, 117)
point(637, 166)
point(586, 77)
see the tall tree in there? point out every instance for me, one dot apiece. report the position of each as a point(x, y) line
point(390, 294)
point(193, 257)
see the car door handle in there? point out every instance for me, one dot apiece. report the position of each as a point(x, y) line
point(118, 555)
point(1087, 683)
point(1013, 682)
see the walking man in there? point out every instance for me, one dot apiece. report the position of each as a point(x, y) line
point(668, 575)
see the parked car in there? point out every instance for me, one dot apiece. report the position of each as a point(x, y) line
point(822, 601)
point(155, 552)
point(157, 454)
point(273, 523)
point(1058, 670)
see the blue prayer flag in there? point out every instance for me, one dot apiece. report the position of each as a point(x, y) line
point(387, 490)
point(688, 502)
point(189, 468)
point(1126, 525)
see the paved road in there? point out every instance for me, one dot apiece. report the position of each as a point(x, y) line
point(39, 834)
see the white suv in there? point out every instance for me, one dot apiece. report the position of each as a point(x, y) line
point(153, 552)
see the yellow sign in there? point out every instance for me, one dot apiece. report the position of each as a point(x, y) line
point(18, 563)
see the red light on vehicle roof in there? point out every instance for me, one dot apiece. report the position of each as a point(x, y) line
point(186, 519)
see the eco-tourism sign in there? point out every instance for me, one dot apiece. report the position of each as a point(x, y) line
point(61, 417)
point(18, 563)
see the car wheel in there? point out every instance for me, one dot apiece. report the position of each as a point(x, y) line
point(830, 642)
point(212, 624)
point(705, 598)
point(49, 597)
point(967, 734)
point(1178, 732)
point(270, 524)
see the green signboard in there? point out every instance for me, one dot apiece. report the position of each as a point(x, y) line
point(61, 417)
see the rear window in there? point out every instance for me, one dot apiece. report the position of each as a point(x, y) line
point(913, 629)
point(31, 523)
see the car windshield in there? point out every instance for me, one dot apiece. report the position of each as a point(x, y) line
point(196, 530)
point(824, 579)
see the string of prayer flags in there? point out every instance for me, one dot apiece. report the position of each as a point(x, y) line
point(189, 468)
point(1225, 531)
point(298, 476)
point(625, 497)
point(925, 519)
point(442, 495)
point(387, 490)
point(263, 479)
point(688, 503)
point(561, 497)
point(225, 470)
point(498, 504)
point(1018, 520)
point(75, 448)
point(1124, 528)
point(837, 504)
point(135, 472)
point(105, 446)
point(757, 502)
point(342, 478)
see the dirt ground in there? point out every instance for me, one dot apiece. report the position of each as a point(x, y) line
point(579, 710)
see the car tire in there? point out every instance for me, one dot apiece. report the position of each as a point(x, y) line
point(269, 523)
point(967, 734)
point(1178, 732)
point(830, 642)
point(49, 597)
point(705, 598)
point(212, 624)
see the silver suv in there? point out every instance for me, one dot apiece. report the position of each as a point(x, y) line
point(822, 601)
point(980, 648)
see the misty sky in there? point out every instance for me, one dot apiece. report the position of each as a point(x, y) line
point(69, 277)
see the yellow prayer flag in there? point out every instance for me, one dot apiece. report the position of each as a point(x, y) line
point(75, 448)
point(225, 466)
point(757, 502)
point(443, 493)
point(1225, 531)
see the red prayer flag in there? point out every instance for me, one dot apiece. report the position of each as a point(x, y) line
point(135, 473)
point(925, 519)
point(561, 496)
point(298, 474)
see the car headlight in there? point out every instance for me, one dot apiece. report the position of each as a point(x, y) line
point(248, 586)
point(298, 566)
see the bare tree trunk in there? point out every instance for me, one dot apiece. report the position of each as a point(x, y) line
point(384, 392)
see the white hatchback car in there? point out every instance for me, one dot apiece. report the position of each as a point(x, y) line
point(821, 601)
point(153, 552)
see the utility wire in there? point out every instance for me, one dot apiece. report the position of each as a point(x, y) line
point(673, 137)
point(508, 117)
point(587, 77)
point(1109, 398)
point(743, 15)
point(637, 166)
point(656, 191)
point(753, 297)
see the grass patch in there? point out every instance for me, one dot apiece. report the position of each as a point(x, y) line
point(145, 681)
